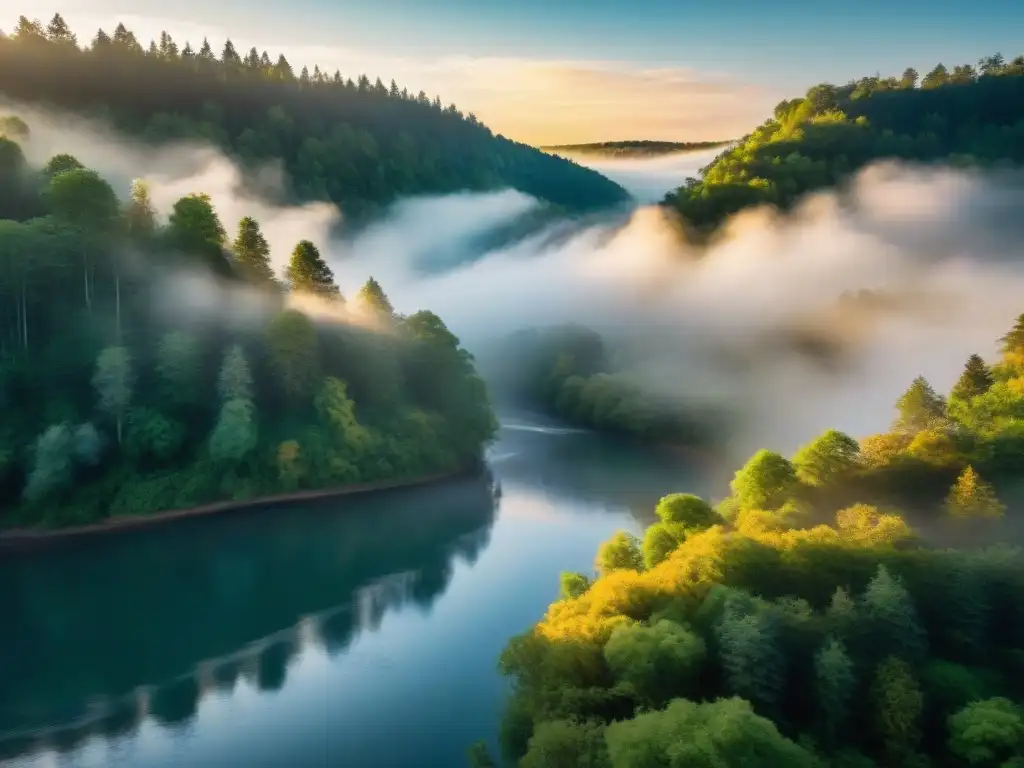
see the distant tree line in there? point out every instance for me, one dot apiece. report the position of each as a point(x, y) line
point(642, 148)
point(356, 142)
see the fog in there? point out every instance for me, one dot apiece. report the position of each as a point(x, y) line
point(649, 179)
point(750, 322)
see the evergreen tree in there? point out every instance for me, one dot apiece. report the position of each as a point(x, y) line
point(308, 272)
point(1013, 341)
point(919, 408)
point(139, 214)
point(975, 380)
point(972, 498)
point(372, 297)
point(57, 32)
point(251, 252)
point(890, 617)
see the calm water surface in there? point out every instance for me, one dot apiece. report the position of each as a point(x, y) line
point(355, 632)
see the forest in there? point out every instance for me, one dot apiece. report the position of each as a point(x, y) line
point(970, 115)
point(147, 365)
point(634, 149)
point(569, 372)
point(802, 620)
point(357, 143)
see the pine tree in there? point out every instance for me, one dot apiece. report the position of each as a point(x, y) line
point(251, 252)
point(101, 41)
point(972, 498)
point(58, 32)
point(308, 272)
point(372, 297)
point(975, 380)
point(919, 408)
point(229, 55)
point(1013, 341)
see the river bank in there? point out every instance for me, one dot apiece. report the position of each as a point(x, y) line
point(17, 539)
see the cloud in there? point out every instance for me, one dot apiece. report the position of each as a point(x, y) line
point(732, 324)
point(535, 101)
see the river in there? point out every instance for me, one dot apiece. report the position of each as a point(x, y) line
point(361, 631)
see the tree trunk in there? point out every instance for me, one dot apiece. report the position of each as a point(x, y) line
point(118, 427)
point(117, 293)
point(24, 318)
point(85, 275)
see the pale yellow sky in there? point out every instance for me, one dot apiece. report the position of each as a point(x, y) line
point(535, 101)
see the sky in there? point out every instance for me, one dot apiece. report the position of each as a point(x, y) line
point(577, 71)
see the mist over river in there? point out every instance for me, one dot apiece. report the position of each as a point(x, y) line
point(360, 631)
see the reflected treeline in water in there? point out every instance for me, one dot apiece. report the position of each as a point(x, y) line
point(100, 634)
point(598, 469)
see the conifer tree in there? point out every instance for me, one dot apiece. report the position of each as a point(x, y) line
point(919, 408)
point(972, 498)
point(251, 252)
point(975, 380)
point(1013, 341)
point(372, 297)
point(308, 272)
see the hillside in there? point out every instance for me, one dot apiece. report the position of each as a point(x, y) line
point(633, 149)
point(802, 621)
point(966, 116)
point(358, 143)
point(147, 367)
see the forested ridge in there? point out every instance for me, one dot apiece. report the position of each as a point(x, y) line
point(358, 143)
point(148, 365)
point(802, 621)
point(970, 115)
point(637, 148)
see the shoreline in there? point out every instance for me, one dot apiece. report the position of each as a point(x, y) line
point(17, 539)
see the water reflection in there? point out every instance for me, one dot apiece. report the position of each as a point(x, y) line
point(598, 470)
point(148, 624)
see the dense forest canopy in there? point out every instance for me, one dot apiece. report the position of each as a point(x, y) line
point(968, 115)
point(802, 621)
point(633, 149)
point(148, 365)
point(356, 142)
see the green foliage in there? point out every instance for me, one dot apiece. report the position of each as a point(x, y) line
point(855, 638)
point(572, 585)
point(182, 404)
point(657, 662)
point(765, 481)
point(919, 408)
point(80, 197)
point(690, 513)
point(974, 381)
point(565, 743)
point(988, 732)
point(723, 732)
point(60, 164)
point(478, 756)
point(357, 144)
point(195, 229)
point(819, 140)
point(252, 253)
point(307, 272)
point(830, 457)
point(898, 705)
point(835, 683)
point(661, 540)
point(621, 551)
point(973, 498)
